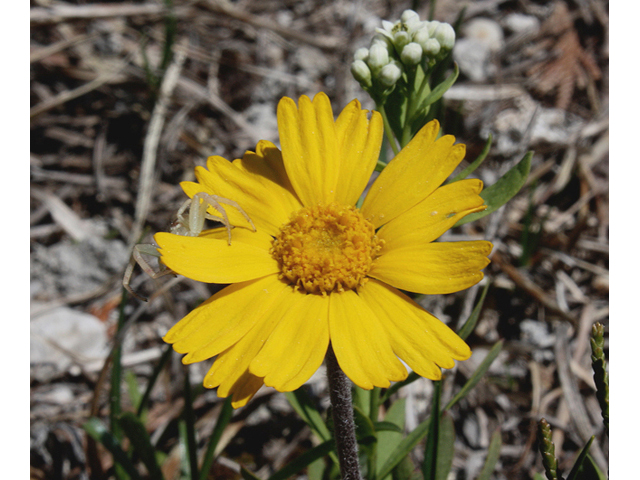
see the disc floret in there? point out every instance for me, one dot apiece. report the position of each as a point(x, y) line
point(326, 248)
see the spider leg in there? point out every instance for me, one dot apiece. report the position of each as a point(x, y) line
point(212, 200)
point(136, 257)
point(233, 204)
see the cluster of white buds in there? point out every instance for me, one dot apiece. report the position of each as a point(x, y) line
point(399, 46)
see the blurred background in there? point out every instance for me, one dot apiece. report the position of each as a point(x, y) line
point(127, 97)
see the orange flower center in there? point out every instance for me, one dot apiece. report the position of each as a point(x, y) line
point(326, 248)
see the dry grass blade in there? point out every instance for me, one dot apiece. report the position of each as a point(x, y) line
point(152, 139)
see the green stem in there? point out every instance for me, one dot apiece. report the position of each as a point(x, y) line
point(387, 129)
point(344, 427)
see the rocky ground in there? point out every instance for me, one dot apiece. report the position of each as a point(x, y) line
point(111, 137)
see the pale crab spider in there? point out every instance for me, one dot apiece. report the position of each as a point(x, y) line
point(189, 226)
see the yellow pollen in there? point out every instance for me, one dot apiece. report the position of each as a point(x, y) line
point(326, 248)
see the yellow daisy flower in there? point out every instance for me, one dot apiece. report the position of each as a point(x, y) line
point(320, 270)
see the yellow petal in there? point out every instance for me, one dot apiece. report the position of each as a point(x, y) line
point(233, 363)
point(310, 148)
point(225, 318)
point(420, 167)
point(359, 141)
point(255, 183)
point(432, 217)
point(213, 260)
point(360, 342)
point(416, 336)
point(433, 268)
point(243, 389)
point(297, 346)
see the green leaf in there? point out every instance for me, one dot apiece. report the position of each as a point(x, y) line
point(224, 417)
point(446, 439)
point(412, 377)
point(248, 475)
point(477, 375)
point(96, 430)
point(429, 466)
point(137, 433)
point(133, 389)
point(503, 190)
point(304, 460)
point(470, 324)
point(403, 448)
point(493, 454)
point(578, 470)
point(388, 439)
point(438, 91)
point(387, 427)
point(303, 405)
point(476, 163)
point(361, 398)
point(365, 430)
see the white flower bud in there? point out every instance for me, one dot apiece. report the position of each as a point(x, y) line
point(431, 47)
point(431, 26)
point(378, 57)
point(408, 16)
point(411, 20)
point(389, 75)
point(411, 54)
point(387, 25)
point(361, 54)
point(400, 39)
point(381, 39)
point(361, 73)
point(421, 35)
point(446, 36)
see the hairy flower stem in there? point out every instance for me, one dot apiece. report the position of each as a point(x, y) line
point(344, 428)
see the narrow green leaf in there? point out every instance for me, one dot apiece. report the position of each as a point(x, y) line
point(133, 388)
point(248, 475)
point(493, 454)
point(361, 398)
point(477, 375)
point(154, 377)
point(304, 460)
point(476, 163)
point(439, 90)
point(96, 430)
point(115, 394)
point(387, 427)
point(365, 430)
point(189, 417)
point(303, 405)
point(574, 474)
point(316, 469)
point(135, 430)
point(412, 377)
point(431, 444)
point(404, 448)
point(503, 190)
point(224, 417)
point(446, 439)
point(389, 438)
point(471, 322)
